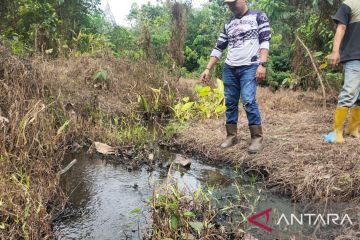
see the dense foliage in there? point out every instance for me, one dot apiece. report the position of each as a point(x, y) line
point(172, 33)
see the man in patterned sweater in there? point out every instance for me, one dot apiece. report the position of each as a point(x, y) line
point(246, 35)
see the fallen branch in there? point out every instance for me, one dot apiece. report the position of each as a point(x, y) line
point(67, 168)
point(321, 80)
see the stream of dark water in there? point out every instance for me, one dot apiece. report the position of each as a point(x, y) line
point(102, 194)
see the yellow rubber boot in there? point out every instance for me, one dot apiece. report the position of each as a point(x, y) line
point(354, 122)
point(339, 121)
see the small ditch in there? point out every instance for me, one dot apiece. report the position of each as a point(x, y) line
point(102, 193)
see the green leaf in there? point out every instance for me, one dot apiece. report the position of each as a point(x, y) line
point(189, 214)
point(178, 106)
point(203, 109)
point(286, 80)
point(198, 87)
point(197, 226)
point(59, 2)
point(186, 99)
point(318, 54)
point(220, 109)
point(204, 94)
point(144, 103)
point(203, 90)
point(136, 210)
point(156, 90)
point(220, 85)
point(162, 198)
point(187, 106)
point(173, 222)
point(63, 128)
point(102, 75)
point(323, 66)
point(173, 205)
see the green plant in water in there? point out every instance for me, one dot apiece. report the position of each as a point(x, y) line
point(136, 212)
point(177, 215)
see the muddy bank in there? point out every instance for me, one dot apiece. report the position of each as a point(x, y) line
point(296, 161)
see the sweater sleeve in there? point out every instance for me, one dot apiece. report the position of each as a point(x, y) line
point(221, 45)
point(263, 30)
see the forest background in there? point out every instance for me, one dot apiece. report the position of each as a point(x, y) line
point(173, 34)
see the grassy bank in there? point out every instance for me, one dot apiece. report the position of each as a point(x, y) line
point(296, 161)
point(30, 151)
point(46, 105)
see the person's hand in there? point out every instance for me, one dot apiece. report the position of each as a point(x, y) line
point(260, 73)
point(204, 78)
point(334, 58)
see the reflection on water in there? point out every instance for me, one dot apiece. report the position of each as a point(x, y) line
point(103, 193)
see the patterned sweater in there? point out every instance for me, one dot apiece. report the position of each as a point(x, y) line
point(244, 36)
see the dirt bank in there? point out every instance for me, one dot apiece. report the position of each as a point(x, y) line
point(296, 161)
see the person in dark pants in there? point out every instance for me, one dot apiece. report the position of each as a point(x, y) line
point(247, 36)
point(346, 50)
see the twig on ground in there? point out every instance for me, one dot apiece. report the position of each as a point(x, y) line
point(73, 162)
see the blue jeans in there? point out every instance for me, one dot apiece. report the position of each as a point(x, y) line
point(241, 81)
point(350, 93)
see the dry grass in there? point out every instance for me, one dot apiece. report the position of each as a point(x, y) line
point(28, 151)
point(296, 161)
point(92, 101)
point(125, 79)
point(49, 104)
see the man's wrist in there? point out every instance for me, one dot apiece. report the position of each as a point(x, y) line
point(263, 63)
point(208, 68)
